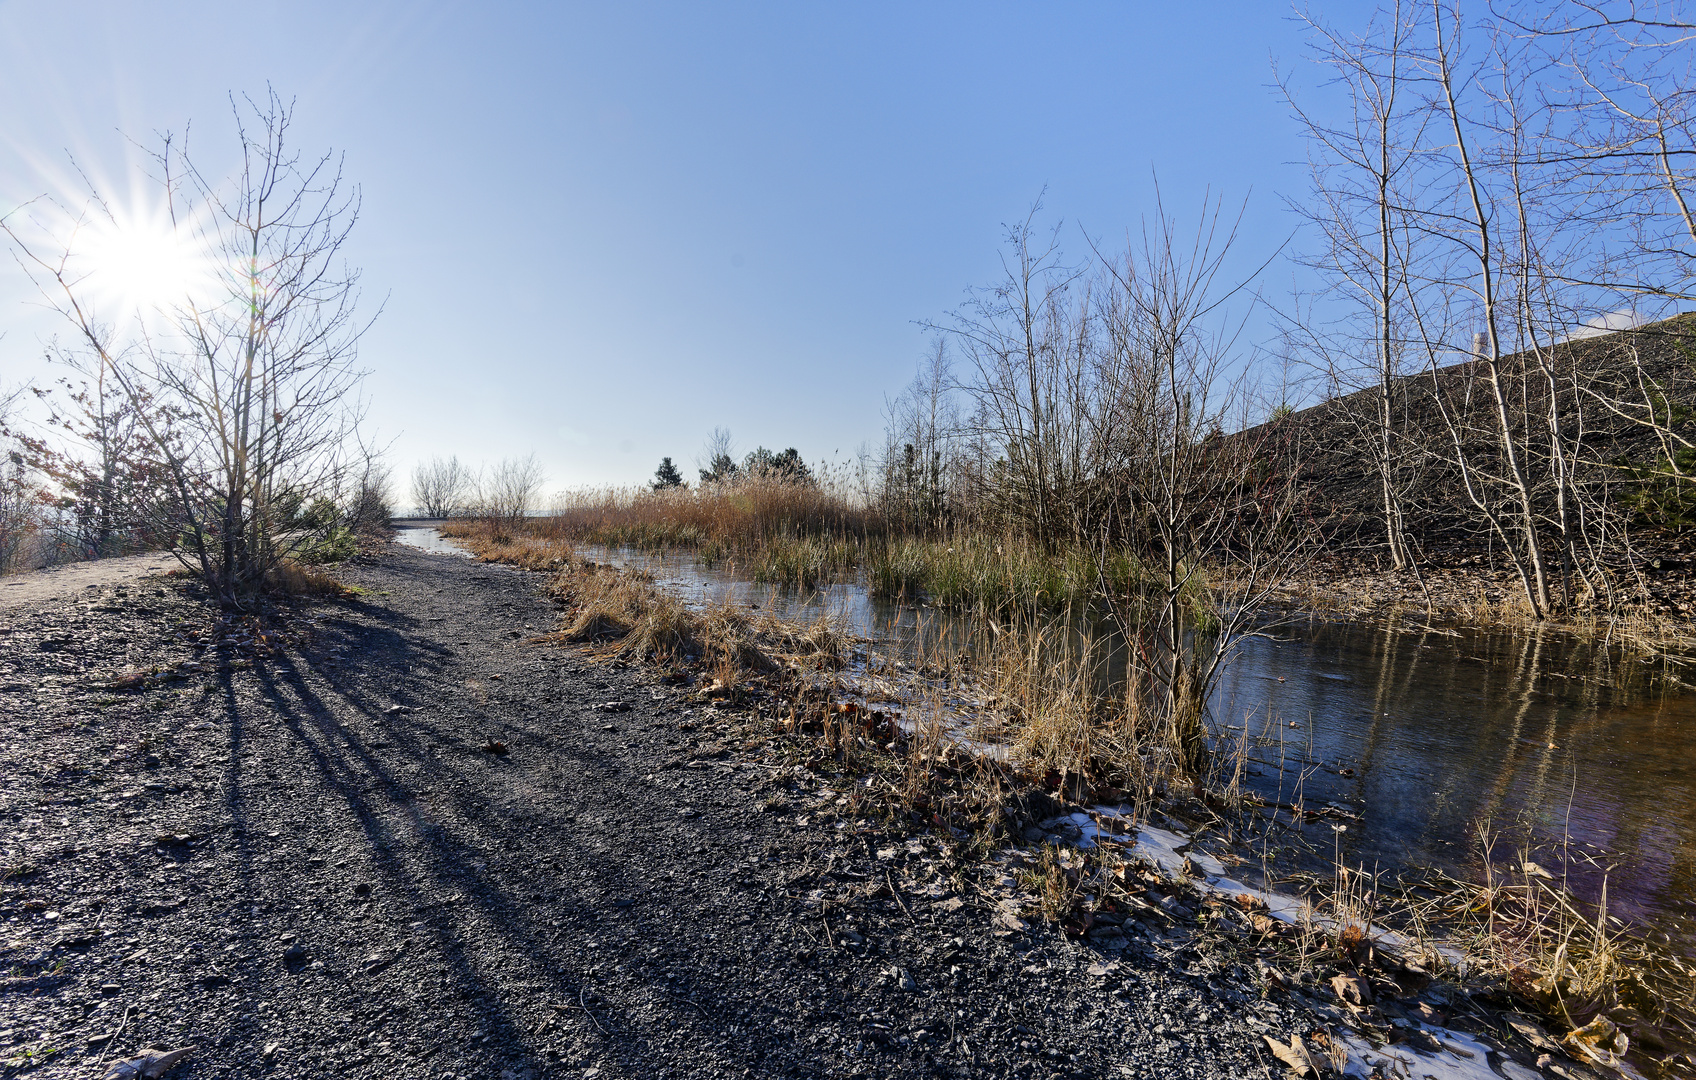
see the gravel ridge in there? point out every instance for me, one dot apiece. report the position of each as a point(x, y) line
point(402, 840)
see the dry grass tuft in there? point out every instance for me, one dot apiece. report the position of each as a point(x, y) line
point(530, 545)
point(1520, 931)
point(289, 578)
point(627, 616)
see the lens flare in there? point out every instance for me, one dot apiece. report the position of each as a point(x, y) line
point(140, 263)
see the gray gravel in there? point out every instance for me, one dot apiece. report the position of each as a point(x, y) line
point(301, 859)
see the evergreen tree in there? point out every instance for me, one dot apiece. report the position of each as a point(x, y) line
point(666, 476)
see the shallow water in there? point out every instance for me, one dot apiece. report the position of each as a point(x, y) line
point(427, 538)
point(1446, 734)
point(1430, 735)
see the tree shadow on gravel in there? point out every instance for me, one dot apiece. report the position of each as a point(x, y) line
point(420, 795)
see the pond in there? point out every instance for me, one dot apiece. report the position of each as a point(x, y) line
point(1430, 734)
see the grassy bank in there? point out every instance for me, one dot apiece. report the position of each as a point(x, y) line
point(804, 537)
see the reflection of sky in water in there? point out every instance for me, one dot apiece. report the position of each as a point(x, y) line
point(1445, 732)
point(1441, 732)
point(428, 539)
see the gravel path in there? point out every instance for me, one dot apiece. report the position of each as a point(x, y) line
point(300, 859)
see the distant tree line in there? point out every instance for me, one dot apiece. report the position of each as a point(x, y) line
point(718, 466)
point(509, 491)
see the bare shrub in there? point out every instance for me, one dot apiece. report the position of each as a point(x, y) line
point(443, 488)
point(512, 489)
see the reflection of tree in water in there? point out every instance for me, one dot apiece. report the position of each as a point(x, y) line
point(1530, 735)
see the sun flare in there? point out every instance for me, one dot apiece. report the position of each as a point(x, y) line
point(141, 263)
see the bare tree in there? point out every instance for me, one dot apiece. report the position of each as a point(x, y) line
point(919, 469)
point(259, 367)
point(443, 487)
point(512, 488)
point(1027, 342)
point(718, 458)
point(1361, 166)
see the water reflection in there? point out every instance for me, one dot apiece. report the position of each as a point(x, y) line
point(1436, 734)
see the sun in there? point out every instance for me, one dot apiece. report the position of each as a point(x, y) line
point(140, 263)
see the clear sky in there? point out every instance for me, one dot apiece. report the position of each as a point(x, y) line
point(604, 229)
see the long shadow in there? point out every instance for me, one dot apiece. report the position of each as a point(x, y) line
point(414, 856)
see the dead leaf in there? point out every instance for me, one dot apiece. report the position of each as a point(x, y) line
point(152, 1064)
point(1533, 870)
point(1264, 924)
point(1294, 1055)
point(1600, 1041)
point(1352, 989)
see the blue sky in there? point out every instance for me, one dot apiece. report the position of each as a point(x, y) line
point(603, 230)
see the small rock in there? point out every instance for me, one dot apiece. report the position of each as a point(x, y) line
point(152, 1064)
point(362, 889)
point(270, 1051)
point(294, 955)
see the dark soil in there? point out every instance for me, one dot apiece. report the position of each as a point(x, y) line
point(392, 837)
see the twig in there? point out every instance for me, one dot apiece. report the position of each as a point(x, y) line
point(893, 891)
point(687, 1002)
point(588, 1013)
point(110, 1042)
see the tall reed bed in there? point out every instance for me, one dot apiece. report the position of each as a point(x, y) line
point(806, 536)
point(741, 518)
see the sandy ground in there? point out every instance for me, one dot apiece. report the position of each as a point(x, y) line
point(37, 587)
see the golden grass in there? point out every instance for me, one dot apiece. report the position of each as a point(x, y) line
point(289, 578)
point(803, 536)
point(527, 544)
point(738, 518)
